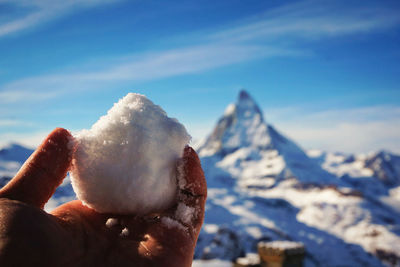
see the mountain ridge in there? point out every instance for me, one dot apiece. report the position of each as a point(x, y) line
point(15, 152)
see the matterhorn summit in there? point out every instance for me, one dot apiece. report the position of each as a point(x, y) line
point(242, 125)
point(244, 144)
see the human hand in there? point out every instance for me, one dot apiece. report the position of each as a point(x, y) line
point(75, 235)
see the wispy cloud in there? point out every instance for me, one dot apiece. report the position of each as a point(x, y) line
point(350, 137)
point(28, 139)
point(10, 122)
point(138, 68)
point(352, 130)
point(311, 20)
point(12, 96)
point(40, 11)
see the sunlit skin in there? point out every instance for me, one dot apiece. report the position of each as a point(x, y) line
point(75, 235)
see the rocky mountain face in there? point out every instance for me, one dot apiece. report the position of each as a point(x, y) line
point(262, 186)
point(386, 167)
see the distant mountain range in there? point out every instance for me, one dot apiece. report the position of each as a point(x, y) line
point(11, 159)
point(15, 152)
point(263, 186)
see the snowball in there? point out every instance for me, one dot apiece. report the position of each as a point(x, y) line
point(126, 163)
point(184, 213)
point(171, 223)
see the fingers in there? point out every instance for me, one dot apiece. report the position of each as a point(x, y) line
point(75, 210)
point(192, 192)
point(43, 172)
point(190, 174)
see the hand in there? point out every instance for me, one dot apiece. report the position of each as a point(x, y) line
point(75, 235)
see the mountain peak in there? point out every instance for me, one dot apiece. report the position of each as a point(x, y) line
point(242, 125)
point(246, 108)
point(15, 152)
point(244, 99)
point(244, 95)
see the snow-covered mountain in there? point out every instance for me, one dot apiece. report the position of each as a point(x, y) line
point(15, 152)
point(11, 159)
point(244, 145)
point(263, 186)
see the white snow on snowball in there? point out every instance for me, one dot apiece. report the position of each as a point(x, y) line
point(171, 223)
point(126, 162)
point(184, 213)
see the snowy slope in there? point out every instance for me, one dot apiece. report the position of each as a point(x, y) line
point(11, 159)
point(376, 176)
point(382, 166)
point(15, 152)
point(263, 186)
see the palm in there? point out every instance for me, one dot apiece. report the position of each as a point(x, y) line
point(74, 235)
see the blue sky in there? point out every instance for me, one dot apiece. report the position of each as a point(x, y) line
point(326, 73)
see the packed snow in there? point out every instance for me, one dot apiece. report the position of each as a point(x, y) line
point(250, 259)
point(211, 263)
point(126, 163)
point(172, 223)
point(184, 213)
point(282, 245)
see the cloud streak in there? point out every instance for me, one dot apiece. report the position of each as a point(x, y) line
point(12, 96)
point(141, 68)
point(10, 122)
point(311, 20)
point(351, 137)
point(38, 12)
point(347, 130)
point(31, 139)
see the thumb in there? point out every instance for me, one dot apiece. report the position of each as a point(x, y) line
point(192, 190)
point(43, 172)
point(192, 193)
